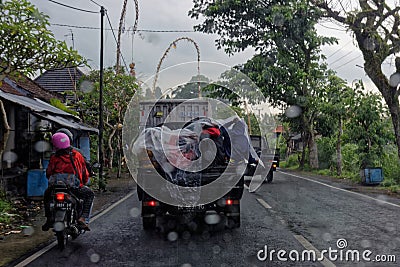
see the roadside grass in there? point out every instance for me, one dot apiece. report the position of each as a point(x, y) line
point(5, 207)
point(390, 182)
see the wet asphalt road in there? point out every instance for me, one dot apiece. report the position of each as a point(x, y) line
point(291, 214)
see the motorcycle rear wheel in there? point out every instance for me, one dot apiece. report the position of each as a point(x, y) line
point(61, 239)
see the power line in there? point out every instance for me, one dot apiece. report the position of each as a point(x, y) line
point(351, 60)
point(115, 38)
point(341, 57)
point(128, 30)
point(72, 7)
point(337, 51)
point(94, 2)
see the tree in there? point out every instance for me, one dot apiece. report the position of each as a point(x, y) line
point(117, 92)
point(335, 102)
point(287, 68)
point(27, 46)
point(366, 126)
point(375, 25)
point(190, 90)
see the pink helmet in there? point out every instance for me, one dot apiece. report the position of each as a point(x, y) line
point(60, 141)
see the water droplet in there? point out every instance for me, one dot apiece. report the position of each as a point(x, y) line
point(10, 156)
point(134, 212)
point(196, 256)
point(42, 146)
point(212, 218)
point(327, 237)
point(186, 235)
point(293, 111)
point(172, 236)
point(394, 79)
point(28, 231)
point(86, 86)
point(216, 249)
point(58, 226)
point(205, 235)
point(369, 44)
point(192, 245)
point(278, 20)
point(391, 227)
point(365, 243)
point(95, 258)
point(227, 237)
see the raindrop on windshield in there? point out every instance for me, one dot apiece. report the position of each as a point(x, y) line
point(394, 79)
point(278, 20)
point(227, 237)
point(29, 230)
point(293, 111)
point(86, 86)
point(172, 236)
point(212, 218)
point(186, 235)
point(216, 249)
point(10, 156)
point(95, 258)
point(369, 44)
point(365, 243)
point(134, 212)
point(42, 146)
point(327, 237)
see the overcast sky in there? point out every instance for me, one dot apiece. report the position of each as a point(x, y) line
point(169, 15)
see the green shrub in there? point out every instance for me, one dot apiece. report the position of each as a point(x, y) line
point(350, 158)
point(326, 152)
point(292, 161)
point(5, 207)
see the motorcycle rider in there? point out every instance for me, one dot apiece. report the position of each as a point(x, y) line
point(67, 160)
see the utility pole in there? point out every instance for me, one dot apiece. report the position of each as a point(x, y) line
point(102, 185)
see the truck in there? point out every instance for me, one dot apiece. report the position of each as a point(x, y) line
point(177, 120)
point(266, 154)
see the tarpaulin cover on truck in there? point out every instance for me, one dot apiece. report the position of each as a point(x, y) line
point(184, 156)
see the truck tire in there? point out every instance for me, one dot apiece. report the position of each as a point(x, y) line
point(270, 176)
point(233, 216)
point(234, 222)
point(149, 223)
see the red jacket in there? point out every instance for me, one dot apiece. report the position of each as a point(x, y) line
point(62, 164)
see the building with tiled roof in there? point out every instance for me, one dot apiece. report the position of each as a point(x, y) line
point(61, 80)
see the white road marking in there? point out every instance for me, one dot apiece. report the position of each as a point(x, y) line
point(344, 190)
point(50, 246)
point(263, 203)
point(308, 246)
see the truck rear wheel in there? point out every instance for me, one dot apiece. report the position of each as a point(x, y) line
point(149, 223)
point(233, 216)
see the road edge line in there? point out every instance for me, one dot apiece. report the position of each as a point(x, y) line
point(50, 246)
point(341, 189)
point(307, 245)
point(263, 203)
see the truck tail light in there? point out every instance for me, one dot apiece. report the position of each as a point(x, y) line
point(151, 203)
point(229, 202)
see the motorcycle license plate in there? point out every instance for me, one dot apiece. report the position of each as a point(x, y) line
point(61, 205)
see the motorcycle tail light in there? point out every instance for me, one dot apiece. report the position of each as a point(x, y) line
point(60, 197)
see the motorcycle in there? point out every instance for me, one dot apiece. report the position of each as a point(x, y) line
point(65, 210)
